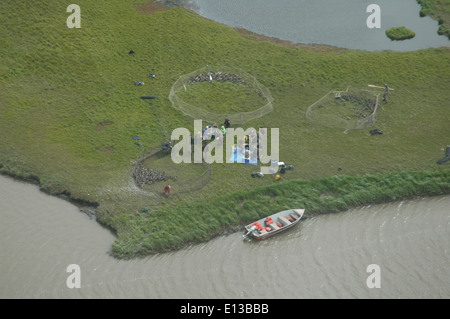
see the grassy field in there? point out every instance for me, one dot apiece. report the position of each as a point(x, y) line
point(69, 110)
point(234, 98)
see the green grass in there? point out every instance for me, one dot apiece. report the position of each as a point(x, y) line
point(69, 111)
point(400, 33)
point(222, 97)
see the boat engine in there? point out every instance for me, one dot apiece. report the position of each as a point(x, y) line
point(251, 230)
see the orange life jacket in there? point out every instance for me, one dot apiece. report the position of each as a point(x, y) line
point(258, 226)
point(167, 189)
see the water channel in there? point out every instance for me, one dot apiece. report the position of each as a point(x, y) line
point(325, 256)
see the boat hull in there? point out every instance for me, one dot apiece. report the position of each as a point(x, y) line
point(287, 219)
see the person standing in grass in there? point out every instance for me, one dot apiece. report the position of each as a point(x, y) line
point(227, 122)
point(386, 93)
point(223, 130)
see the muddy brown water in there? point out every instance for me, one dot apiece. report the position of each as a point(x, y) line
point(325, 256)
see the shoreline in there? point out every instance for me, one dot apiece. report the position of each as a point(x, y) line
point(34, 180)
point(160, 5)
point(84, 206)
point(64, 195)
point(326, 204)
point(290, 44)
point(80, 203)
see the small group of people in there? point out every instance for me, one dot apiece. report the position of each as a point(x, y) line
point(248, 147)
point(250, 151)
point(206, 135)
point(245, 146)
point(209, 130)
point(209, 135)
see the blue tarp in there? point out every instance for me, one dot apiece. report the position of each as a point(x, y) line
point(238, 157)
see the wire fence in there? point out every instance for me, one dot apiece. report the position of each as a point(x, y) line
point(221, 74)
point(182, 178)
point(353, 109)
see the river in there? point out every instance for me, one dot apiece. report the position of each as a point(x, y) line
point(326, 256)
point(341, 23)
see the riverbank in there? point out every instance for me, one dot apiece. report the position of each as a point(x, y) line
point(439, 10)
point(70, 113)
point(343, 22)
point(42, 235)
point(174, 228)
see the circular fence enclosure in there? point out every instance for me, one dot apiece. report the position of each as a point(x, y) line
point(155, 169)
point(352, 109)
point(221, 74)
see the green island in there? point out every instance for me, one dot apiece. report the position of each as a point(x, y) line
point(400, 33)
point(72, 120)
point(438, 10)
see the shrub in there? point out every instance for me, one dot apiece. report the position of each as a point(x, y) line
point(400, 33)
